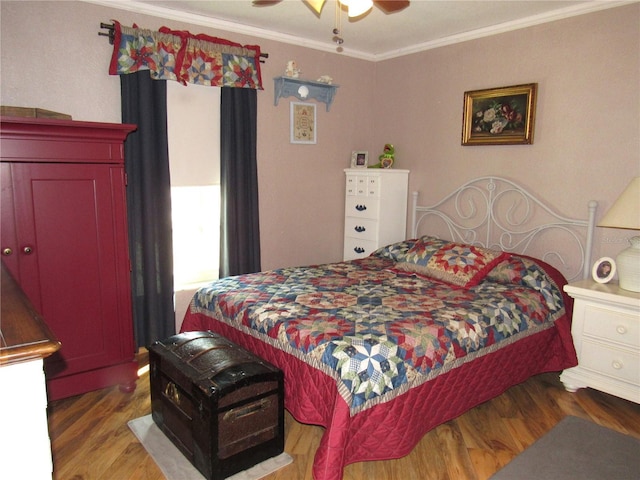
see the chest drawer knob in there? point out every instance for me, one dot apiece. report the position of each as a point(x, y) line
point(621, 329)
point(617, 365)
point(361, 208)
point(358, 250)
point(358, 228)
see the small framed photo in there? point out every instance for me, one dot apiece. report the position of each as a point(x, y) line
point(303, 123)
point(603, 270)
point(359, 159)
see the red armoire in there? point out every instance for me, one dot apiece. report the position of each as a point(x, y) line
point(64, 238)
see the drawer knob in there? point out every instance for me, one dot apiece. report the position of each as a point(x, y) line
point(358, 250)
point(621, 329)
point(361, 208)
point(359, 228)
point(617, 365)
point(7, 251)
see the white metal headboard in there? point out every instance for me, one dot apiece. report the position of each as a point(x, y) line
point(493, 212)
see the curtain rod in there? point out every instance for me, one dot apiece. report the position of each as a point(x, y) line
point(111, 32)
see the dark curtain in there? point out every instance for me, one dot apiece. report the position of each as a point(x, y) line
point(239, 220)
point(144, 103)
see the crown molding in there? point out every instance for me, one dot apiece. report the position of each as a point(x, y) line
point(531, 21)
point(219, 24)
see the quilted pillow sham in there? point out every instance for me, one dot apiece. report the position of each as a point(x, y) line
point(396, 251)
point(455, 263)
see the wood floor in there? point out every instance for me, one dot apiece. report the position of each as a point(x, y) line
point(91, 440)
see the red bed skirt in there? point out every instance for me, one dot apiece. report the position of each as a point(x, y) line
point(391, 430)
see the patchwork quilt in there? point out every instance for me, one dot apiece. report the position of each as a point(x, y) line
point(379, 328)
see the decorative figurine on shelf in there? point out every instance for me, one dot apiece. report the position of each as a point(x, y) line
point(387, 158)
point(292, 69)
point(325, 79)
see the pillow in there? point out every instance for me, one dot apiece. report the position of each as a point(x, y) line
point(456, 263)
point(523, 271)
point(510, 271)
point(395, 251)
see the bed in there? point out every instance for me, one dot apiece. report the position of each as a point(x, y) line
point(382, 349)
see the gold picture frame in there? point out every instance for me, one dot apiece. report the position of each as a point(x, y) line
point(303, 123)
point(499, 116)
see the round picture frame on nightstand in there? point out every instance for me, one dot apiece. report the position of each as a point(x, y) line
point(603, 270)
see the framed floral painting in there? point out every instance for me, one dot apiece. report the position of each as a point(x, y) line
point(499, 116)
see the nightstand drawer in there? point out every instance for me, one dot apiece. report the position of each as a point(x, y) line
point(619, 327)
point(623, 365)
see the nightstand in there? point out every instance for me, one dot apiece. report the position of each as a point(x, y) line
point(606, 334)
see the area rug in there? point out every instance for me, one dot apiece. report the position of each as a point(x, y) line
point(576, 449)
point(175, 466)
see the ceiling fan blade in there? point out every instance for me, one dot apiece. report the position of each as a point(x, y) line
point(391, 6)
point(316, 5)
point(265, 3)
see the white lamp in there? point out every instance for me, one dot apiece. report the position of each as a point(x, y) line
point(625, 213)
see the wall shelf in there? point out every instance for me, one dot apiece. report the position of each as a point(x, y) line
point(287, 87)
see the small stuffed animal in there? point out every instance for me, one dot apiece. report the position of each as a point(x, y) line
point(292, 69)
point(387, 158)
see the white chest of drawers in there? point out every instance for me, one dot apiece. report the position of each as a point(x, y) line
point(606, 334)
point(375, 209)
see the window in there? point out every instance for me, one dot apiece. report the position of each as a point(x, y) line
point(193, 126)
point(196, 234)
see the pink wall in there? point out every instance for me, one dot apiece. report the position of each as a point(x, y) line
point(587, 132)
point(588, 123)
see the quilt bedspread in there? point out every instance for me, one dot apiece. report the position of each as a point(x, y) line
point(379, 331)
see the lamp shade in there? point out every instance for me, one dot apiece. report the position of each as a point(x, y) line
point(625, 212)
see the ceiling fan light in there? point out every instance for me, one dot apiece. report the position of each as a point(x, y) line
point(356, 8)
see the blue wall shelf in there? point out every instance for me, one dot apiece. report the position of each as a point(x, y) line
point(287, 87)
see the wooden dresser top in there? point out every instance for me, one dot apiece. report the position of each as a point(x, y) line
point(23, 334)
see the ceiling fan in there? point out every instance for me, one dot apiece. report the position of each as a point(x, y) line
point(354, 7)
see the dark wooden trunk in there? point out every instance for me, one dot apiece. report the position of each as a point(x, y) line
point(222, 406)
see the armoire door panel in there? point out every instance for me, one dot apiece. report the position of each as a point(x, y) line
point(67, 216)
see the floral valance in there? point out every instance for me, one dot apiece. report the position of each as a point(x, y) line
point(186, 58)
